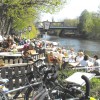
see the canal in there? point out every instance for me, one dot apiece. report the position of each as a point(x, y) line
point(89, 46)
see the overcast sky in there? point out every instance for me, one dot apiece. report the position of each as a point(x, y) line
point(73, 9)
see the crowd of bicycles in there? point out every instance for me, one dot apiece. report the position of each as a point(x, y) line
point(43, 84)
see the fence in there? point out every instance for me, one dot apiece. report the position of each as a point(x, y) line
point(17, 69)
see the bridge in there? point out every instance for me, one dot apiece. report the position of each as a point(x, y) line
point(58, 26)
point(62, 27)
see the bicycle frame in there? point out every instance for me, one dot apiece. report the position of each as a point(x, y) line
point(14, 90)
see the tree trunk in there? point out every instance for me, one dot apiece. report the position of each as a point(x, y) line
point(9, 26)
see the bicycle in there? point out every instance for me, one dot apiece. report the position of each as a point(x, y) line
point(4, 94)
point(71, 92)
point(43, 88)
point(48, 82)
point(31, 84)
point(30, 77)
point(68, 93)
point(46, 91)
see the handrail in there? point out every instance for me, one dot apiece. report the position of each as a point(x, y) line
point(85, 67)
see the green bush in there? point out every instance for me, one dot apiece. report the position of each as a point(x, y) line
point(95, 88)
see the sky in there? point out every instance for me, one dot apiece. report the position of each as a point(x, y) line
point(73, 9)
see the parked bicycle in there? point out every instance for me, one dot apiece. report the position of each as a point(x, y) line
point(43, 85)
point(71, 92)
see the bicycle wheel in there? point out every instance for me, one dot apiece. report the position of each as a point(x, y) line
point(3, 96)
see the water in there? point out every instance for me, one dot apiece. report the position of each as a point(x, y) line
point(89, 46)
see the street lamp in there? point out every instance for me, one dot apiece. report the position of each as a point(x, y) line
point(29, 29)
point(46, 26)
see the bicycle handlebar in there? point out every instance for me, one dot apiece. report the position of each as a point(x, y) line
point(37, 61)
point(87, 86)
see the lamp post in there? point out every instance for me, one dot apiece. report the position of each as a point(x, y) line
point(46, 26)
point(29, 29)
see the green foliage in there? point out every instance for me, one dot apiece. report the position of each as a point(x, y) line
point(89, 24)
point(31, 34)
point(66, 72)
point(22, 16)
point(71, 22)
point(95, 88)
point(50, 6)
point(22, 13)
point(85, 22)
point(96, 28)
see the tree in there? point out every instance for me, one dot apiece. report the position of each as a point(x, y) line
point(85, 23)
point(70, 22)
point(18, 14)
